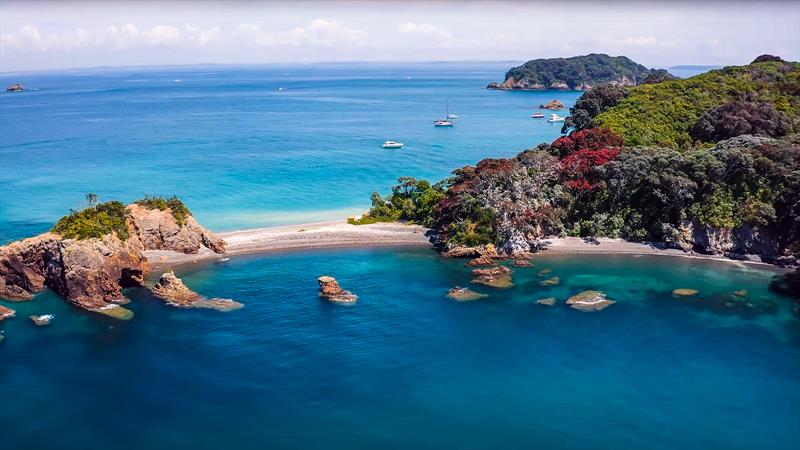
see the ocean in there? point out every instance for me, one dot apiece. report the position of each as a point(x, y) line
point(404, 368)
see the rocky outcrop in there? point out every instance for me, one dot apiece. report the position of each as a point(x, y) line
point(496, 277)
point(552, 281)
point(159, 230)
point(330, 290)
point(522, 262)
point(683, 292)
point(172, 289)
point(549, 301)
point(91, 273)
point(553, 104)
point(589, 301)
point(42, 320)
point(463, 294)
point(6, 313)
point(738, 243)
point(483, 260)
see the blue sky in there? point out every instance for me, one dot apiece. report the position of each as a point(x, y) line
point(38, 35)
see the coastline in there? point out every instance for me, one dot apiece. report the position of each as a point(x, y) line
point(340, 234)
point(328, 234)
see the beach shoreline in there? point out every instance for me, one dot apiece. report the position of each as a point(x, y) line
point(340, 234)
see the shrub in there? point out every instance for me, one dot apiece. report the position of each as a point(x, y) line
point(740, 117)
point(179, 211)
point(94, 222)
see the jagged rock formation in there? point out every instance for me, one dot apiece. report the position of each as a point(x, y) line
point(91, 273)
point(6, 313)
point(496, 277)
point(553, 104)
point(576, 73)
point(171, 289)
point(330, 290)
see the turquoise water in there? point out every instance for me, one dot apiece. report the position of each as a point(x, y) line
point(405, 367)
point(249, 146)
point(408, 368)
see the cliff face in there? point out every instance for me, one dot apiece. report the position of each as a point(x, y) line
point(576, 73)
point(91, 273)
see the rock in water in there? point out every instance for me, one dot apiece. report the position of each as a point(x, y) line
point(42, 320)
point(483, 260)
point(465, 294)
point(330, 289)
point(496, 277)
point(549, 301)
point(6, 313)
point(543, 272)
point(685, 292)
point(554, 105)
point(172, 289)
point(523, 263)
point(741, 293)
point(590, 301)
point(552, 281)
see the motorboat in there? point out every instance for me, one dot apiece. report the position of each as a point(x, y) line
point(392, 144)
point(442, 123)
point(538, 115)
point(452, 116)
point(555, 118)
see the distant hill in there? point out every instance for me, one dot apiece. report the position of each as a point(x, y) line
point(575, 73)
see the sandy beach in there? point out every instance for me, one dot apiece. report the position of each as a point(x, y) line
point(330, 234)
point(339, 234)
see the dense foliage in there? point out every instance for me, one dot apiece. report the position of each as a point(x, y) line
point(411, 200)
point(740, 117)
point(663, 114)
point(94, 222)
point(592, 69)
point(590, 104)
point(179, 211)
point(658, 76)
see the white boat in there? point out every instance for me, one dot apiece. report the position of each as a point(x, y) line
point(392, 144)
point(555, 118)
point(452, 116)
point(538, 116)
point(442, 123)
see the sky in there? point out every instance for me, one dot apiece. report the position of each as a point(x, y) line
point(44, 35)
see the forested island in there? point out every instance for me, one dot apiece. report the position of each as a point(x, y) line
point(708, 164)
point(575, 73)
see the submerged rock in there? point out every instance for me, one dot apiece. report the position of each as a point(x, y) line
point(330, 290)
point(115, 311)
point(589, 301)
point(552, 281)
point(172, 289)
point(685, 292)
point(523, 263)
point(741, 293)
point(543, 272)
point(465, 294)
point(496, 277)
point(42, 320)
point(6, 313)
point(549, 301)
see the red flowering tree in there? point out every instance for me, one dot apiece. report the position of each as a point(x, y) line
point(593, 139)
point(577, 168)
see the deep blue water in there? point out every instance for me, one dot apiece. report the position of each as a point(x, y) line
point(407, 367)
point(241, 152)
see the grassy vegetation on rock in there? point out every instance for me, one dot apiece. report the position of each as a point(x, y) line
point(94, 222)
point(179, 211)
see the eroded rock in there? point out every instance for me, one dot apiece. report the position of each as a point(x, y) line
point(683, 292)
point(549, 301)
point(42, 320)
point(523, 263)
point(552, 281)
point(172, 289)
point(6, 313)
point(330, 290)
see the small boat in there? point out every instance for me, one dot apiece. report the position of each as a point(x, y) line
point(177, 81)
point(452, 116)
point(555, 118)
point(15, 88)
point(224, 259)
point(392, 144)
point(538, 115)
point(442, 123)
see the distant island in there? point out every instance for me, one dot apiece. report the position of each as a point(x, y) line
point(575, 73)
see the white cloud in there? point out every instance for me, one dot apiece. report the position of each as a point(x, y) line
point(317, 33)
point(426, 31)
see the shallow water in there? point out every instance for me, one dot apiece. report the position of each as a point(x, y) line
point(407, 367)
point(241, 152)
